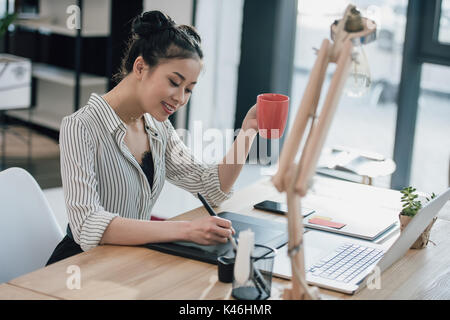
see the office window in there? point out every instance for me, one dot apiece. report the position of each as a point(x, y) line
point(3, 7)
point(444, 24)
point(366, 122)
point(431, 153)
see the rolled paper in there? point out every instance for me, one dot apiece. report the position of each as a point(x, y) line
point(244, 251)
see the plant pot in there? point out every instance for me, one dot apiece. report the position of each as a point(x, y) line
point(423, 239)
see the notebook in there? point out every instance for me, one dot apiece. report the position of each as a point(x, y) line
point(363, 223)
point(267, 232)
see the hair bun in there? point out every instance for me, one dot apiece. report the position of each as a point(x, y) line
point(191, 32)
point(151, 22)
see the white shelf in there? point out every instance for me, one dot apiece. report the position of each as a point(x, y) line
point(53, 17)
point(54, 102)
point(55, 89)
point(42, 117)
point(64, 76)
point(46, 27)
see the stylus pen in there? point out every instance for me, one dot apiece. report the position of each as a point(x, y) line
point(213, 213)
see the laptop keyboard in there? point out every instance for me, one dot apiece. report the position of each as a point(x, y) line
point(346, 262)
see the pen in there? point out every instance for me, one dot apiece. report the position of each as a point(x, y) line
point(212, 213)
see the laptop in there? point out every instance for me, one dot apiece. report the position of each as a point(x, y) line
point(345, 265)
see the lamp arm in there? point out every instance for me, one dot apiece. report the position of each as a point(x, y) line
point(321, 127)
point(306, 110)
point(294, 179)
point(285, 179)
point(298, 181)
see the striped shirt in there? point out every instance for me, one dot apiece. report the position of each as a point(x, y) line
point(102, 179)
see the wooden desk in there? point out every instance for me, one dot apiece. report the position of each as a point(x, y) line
point(122, 272)
point(11, 292)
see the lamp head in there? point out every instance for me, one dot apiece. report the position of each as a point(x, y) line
point(360, 31)
point(355, 27)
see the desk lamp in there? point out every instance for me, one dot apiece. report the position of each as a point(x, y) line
point(294, 179)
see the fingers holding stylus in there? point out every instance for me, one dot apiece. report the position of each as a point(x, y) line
point(210, 230)
point(225, 223)
point(220, 222)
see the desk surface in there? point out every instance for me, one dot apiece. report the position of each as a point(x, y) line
point(11, 292)
point(122, 272)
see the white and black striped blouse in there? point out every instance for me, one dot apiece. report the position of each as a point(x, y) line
point(101, 178)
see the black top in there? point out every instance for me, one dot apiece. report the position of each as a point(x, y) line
point(148, 167)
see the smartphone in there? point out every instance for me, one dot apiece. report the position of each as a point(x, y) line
point(280, 208)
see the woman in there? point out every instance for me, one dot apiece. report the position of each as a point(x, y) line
point(117, 150)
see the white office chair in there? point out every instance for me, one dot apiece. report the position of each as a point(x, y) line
point(29, 231)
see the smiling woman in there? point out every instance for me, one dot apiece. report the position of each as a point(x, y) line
point(117, 151)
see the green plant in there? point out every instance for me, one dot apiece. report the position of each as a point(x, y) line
point(410, 205)
point(6, 21)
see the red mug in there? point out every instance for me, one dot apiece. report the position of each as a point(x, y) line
point(271, 114)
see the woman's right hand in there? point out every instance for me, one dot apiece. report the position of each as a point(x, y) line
point(210, 230)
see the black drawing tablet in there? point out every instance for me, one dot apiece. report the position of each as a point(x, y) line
point(269, 233)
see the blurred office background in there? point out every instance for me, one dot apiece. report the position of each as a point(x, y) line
point(250, 47)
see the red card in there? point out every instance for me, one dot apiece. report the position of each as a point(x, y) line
point(327, 223)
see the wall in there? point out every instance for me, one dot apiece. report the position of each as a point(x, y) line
point(179, 10)
point(214, 100)
point(92, 10)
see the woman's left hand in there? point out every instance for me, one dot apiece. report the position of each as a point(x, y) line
point(250, 119)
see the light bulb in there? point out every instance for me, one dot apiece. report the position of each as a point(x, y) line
point(358, 81)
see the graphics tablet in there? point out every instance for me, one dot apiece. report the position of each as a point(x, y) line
point(267, 232)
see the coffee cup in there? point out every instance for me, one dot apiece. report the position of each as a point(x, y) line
point(272, 112)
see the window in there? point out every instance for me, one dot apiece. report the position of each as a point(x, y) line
point(444, 23)
point(3, 7)
point(431, 154)
point(367, 122)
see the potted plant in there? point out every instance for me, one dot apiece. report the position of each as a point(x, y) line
point(411, 205)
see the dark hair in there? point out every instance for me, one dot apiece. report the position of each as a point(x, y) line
point(156, 36)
